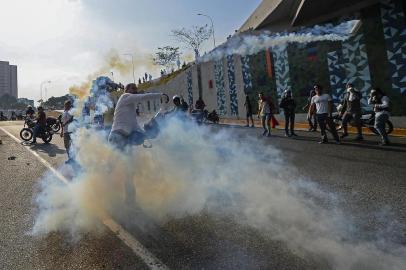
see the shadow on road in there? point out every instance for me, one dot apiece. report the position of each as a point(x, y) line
point(50, 149)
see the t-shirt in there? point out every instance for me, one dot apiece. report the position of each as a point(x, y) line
point(321, 103)
point(66, 120)
point(125, 116)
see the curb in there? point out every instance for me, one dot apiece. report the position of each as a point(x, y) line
point(397, 132)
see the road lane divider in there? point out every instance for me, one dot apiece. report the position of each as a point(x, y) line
point(138, 249)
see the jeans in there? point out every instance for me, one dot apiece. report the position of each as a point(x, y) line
point(312, 119)
point(380, 121)
point(357, 120)
point(121, 141)
point(266, 122)
point(37, 129)
point(289, 122)
point(67, 141)
point(324, 120)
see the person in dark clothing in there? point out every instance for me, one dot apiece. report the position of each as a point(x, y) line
point(248, 107)
point(29, 112)
point(311, 118)
point(288, 105)
point(351, 109)
point(40, 125)
point(185, 106)
point(200, 104)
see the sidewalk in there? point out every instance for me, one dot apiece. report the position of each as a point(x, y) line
point(301, 125)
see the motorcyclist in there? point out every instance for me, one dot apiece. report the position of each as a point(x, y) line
point(351, 109)
point(380, 102)
point(40, 124)
point(29, 112)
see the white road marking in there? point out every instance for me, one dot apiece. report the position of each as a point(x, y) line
point(149, 259)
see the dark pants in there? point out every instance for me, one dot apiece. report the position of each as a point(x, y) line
point(356, 116)
point(67, 141)
point(380, 122)
point(37, 129)
point(324, 120)
point(312, 119)
point(266, 122)
point(289, 122)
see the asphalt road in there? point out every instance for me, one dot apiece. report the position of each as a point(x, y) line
point(365, 177)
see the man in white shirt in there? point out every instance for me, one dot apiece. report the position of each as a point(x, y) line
point(381, 108)
point(125, 129)
point(322, 104)
point(66, 119)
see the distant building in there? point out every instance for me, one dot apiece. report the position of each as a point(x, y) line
point(26, 101)
point(8, 79)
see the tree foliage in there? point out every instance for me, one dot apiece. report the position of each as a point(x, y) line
point(194, 37)
point(9, 102)
point(167, 56)
point(56, 103)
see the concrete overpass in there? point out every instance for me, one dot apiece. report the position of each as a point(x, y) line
point(280, 15)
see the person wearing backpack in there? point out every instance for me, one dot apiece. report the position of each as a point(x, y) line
point(381, 104)
point(352, 110)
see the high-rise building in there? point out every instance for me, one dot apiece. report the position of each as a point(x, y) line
point(8, 79)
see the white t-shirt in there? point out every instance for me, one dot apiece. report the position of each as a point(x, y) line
point(321, 103)
point(66, 117)
point(125, 117)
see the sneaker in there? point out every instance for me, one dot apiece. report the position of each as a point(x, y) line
point(338, 142)
point(343, 135)
point(310, 129)
point(264, 133)
point(287, 135)
point(384, 143)
point(252, 126)
point(269, 134)
point(246, 126)
point(293, 134)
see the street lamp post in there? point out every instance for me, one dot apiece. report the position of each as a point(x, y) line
point(40, 88)
point(212, 26)
point(132, 60)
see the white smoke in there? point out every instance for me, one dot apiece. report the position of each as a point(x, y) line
point(249, 43)
point(191, 169)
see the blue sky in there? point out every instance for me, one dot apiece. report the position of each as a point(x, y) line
point(66, 40)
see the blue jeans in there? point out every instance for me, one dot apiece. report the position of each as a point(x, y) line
point(37, 129)
point(121, 141)
point(266, 122)
point(380, 121)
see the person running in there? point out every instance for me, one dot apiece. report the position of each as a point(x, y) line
point(125, 129)
point(312, 119)
point(66, 119)
point(40, 125)
point(288, 105)
point(265, 113)
point(351, 109)
point(248, 107)
point(322, 105)
point(380, 101)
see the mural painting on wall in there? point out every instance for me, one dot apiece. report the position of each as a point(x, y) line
point(350, 65)
point(220, 87)
point(281, 67)
point(189, 86)
point(246, 75)
point(337, 74)
point(394, 28)
point(232, 86)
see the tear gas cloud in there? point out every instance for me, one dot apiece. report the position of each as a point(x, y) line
point(249, 43)
point(190, 169)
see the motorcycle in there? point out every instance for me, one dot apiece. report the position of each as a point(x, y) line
point(204, 116)
point(367, 120)
point(27, 131)
point(55, 123)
